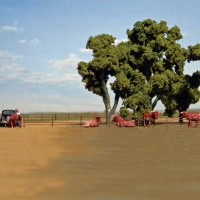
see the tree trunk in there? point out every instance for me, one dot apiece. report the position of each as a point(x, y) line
point(180, 116)
point(106, 98)
point(107, 107)
point(112, 111)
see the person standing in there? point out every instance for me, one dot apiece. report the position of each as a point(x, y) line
point(19, 121)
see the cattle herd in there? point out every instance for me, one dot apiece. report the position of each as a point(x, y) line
point(149, 118)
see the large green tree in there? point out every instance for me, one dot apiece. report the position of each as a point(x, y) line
point(156, 53)
point(147, 68)
point(110, 60)
point(96, 73)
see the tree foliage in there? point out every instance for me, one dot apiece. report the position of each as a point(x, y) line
point(157, 54)
point(95, 74)
point(147, 68)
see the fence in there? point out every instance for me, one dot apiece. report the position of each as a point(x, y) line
point(77, 119)
point(59, 119)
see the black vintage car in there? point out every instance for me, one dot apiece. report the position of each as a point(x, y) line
point(5, 116)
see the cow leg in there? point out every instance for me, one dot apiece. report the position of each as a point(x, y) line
point(189, 123)
point(11, 124)
point(145, 122)
point(197, 122)
point(149, 122)
point(121, 124)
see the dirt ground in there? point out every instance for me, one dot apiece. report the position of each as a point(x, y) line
point(104, 163)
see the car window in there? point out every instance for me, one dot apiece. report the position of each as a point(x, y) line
point(8, 112)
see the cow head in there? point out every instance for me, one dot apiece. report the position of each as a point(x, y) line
point(184, 114)
point(116, 118)
point(98, 119)
point(155, 114)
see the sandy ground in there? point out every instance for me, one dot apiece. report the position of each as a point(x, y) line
point(105, 163)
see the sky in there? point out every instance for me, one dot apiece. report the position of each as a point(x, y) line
point(42, 42)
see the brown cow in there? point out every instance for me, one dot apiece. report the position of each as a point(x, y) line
point(150, 118)
point(191, 117)
point(123, 123)
point(92, 123)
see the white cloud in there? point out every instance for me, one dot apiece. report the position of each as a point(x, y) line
point(23, 41)
point(83, 50)
point(9, 66)
point(65, 70)
point(32, 41)
point(51, 78)
point(117, 41)
point(11, 70)
point(69, 63)
point(13, 28)
point(7, 58)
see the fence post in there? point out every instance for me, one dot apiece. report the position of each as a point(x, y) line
point(52, 121)
point(68, 116)
point(24, 122)
point(81, 118)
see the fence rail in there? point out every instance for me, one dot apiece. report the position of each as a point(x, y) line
point(59, 119)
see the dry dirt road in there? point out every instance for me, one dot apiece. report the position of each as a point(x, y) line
point(105, 163)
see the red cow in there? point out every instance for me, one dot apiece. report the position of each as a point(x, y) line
point(150, 118)
point(92, 123)
point(123, 123)
point(15, 120)
point(191, 117)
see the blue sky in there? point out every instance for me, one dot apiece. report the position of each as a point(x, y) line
point(42, 41)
